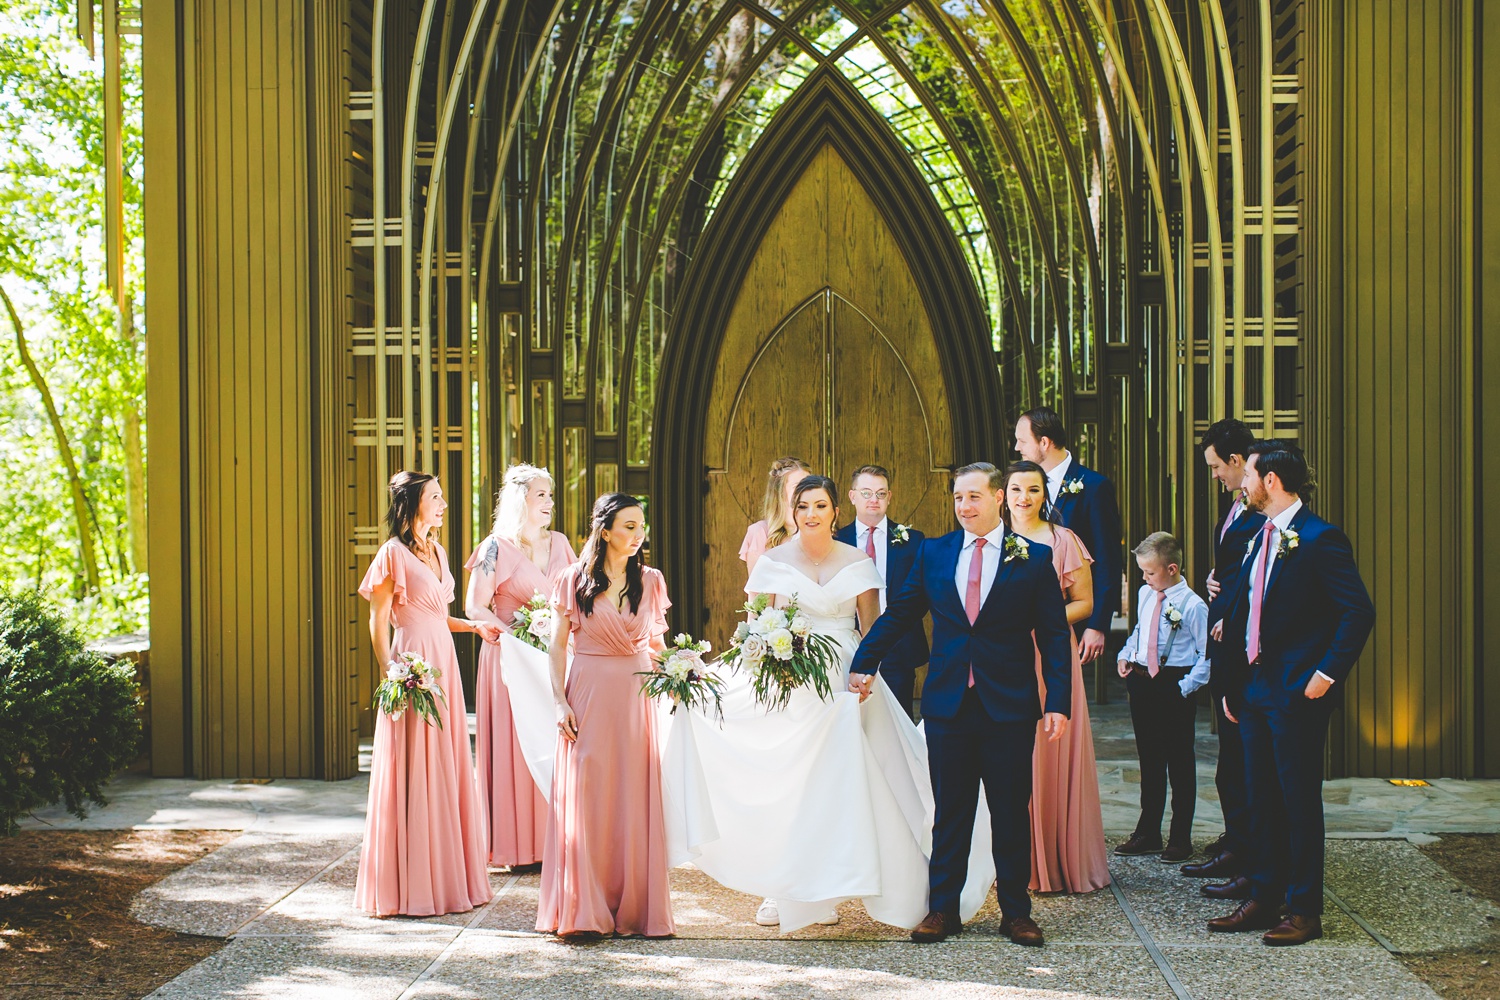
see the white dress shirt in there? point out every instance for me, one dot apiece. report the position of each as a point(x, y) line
point(882, 541)
point(1057, 474)
point(992, 552)
point(1184, 646)
point(1281, 522)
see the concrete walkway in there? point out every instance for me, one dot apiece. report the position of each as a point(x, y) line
point(282, 894)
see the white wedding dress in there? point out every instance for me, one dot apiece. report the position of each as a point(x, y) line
point(816, 803)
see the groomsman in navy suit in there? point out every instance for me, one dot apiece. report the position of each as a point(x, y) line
point(1224, 446)
point(1084, 500)
point(1302, 612)
point(894, 549)
point(989, 591)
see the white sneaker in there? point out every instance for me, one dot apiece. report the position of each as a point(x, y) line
point(831, 919)
point(767, 915)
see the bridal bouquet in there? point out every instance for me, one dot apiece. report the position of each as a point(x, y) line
point(532, 622)
point(779, 650)
point(410, 682)
point(678, 672)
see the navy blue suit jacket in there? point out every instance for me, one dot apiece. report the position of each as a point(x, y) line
point(1095, 516)
point(1024, 598)
point(1316, 616)
point(910, 651)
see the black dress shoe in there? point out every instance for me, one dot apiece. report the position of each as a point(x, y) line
point(1223, 865)
point(1176, 854)
point(1235, 888)
point(936, 926)
point(1139, 844)
point(1219, 845)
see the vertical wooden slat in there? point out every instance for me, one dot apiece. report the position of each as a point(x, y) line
point(1486, 331)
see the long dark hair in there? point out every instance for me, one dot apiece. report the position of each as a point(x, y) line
point(1048, 514)
point(807, 485)
point(406, 500)
point(596, 581)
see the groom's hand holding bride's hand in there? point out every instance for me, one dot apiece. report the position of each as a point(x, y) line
point(1054, 724)
point(862, 685)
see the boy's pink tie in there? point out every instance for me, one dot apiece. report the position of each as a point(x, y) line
point(1153, 631)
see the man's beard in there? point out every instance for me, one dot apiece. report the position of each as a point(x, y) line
point(1256, 500)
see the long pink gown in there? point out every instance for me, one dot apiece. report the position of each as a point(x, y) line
point(605, 868)
point(754, 544)
point(1067, 825)
point(515, 807)
point(424, 831)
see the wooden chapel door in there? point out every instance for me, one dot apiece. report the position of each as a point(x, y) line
point(828, 355)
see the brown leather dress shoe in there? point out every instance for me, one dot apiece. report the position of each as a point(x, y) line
point(1176, 854)
point(1235, 888)
point(936, 926)
point(1223, 865)
point(1219, 845)
point(1248, 916)
point(1022, 930)
point(1295, 929)
point(1138, 844)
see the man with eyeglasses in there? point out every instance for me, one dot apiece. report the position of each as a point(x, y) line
point(894, 549)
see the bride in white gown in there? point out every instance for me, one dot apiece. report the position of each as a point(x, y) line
point(821, 801)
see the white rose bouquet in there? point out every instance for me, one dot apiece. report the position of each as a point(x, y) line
point(533, 621)
point(678, 673)
point(781, 653)
point(410, 682)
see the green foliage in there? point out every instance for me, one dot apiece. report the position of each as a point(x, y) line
point(68, 719)
point(52, 263)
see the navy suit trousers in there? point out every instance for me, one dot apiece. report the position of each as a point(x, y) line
point(963, 751)
point(1234, 798)
point(1284, 773)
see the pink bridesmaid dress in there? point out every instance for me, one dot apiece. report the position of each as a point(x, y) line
point(605, 869)
point(424, 832)
point(515, 807)
point(1067, 825)
point(754, 545)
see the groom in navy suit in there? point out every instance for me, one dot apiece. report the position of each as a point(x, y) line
point(988, 591)
point(1303, 614)
point(894, 549)
point(1083, 500)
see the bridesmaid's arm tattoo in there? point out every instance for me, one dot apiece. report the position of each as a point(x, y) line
point(488, 556)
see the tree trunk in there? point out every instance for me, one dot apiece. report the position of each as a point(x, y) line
point(64, 450)
point(135, 462)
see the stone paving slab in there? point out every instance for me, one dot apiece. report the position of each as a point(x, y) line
point(1301, 973)
point(219, 893)
point(1407, 896)
point(321, 967)
point(488, 965)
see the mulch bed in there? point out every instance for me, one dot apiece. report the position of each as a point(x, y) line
point(1469, 973)
point(65, 924)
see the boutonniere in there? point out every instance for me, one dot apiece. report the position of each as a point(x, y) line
point(1289, 541)
point(1174, 617)
point(1016, 547)
point(900, 534)
point(1071, 486)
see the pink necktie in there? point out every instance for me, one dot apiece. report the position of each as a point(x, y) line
point(971, 592)
point(1153, 631)
point(1234, 514)
point(1258, 595)
point(870, 542)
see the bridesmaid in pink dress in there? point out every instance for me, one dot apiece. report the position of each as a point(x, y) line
point(784, 476)
point(424, 831)
point(520, 558)
point(605, 870)
point(1067, 824)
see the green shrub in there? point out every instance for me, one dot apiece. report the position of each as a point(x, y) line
point(68, 719)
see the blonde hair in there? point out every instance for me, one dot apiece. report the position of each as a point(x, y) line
point(510, 503)
point(774, 507)
point(1161, 546)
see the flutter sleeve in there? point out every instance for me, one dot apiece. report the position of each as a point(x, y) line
point(565, 593)
point(754, 545)
point(388, 565)
point(1070, 555)
point(660, 603)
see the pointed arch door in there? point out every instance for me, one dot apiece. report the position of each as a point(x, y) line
point(829, 354)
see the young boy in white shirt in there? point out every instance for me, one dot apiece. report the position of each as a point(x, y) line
point(1164, 661)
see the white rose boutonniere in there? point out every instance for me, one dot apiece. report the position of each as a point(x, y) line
point(1016, 547)
point(1071, 486)
point(1174, 617)
point(1289, 541)
point(900, 534)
